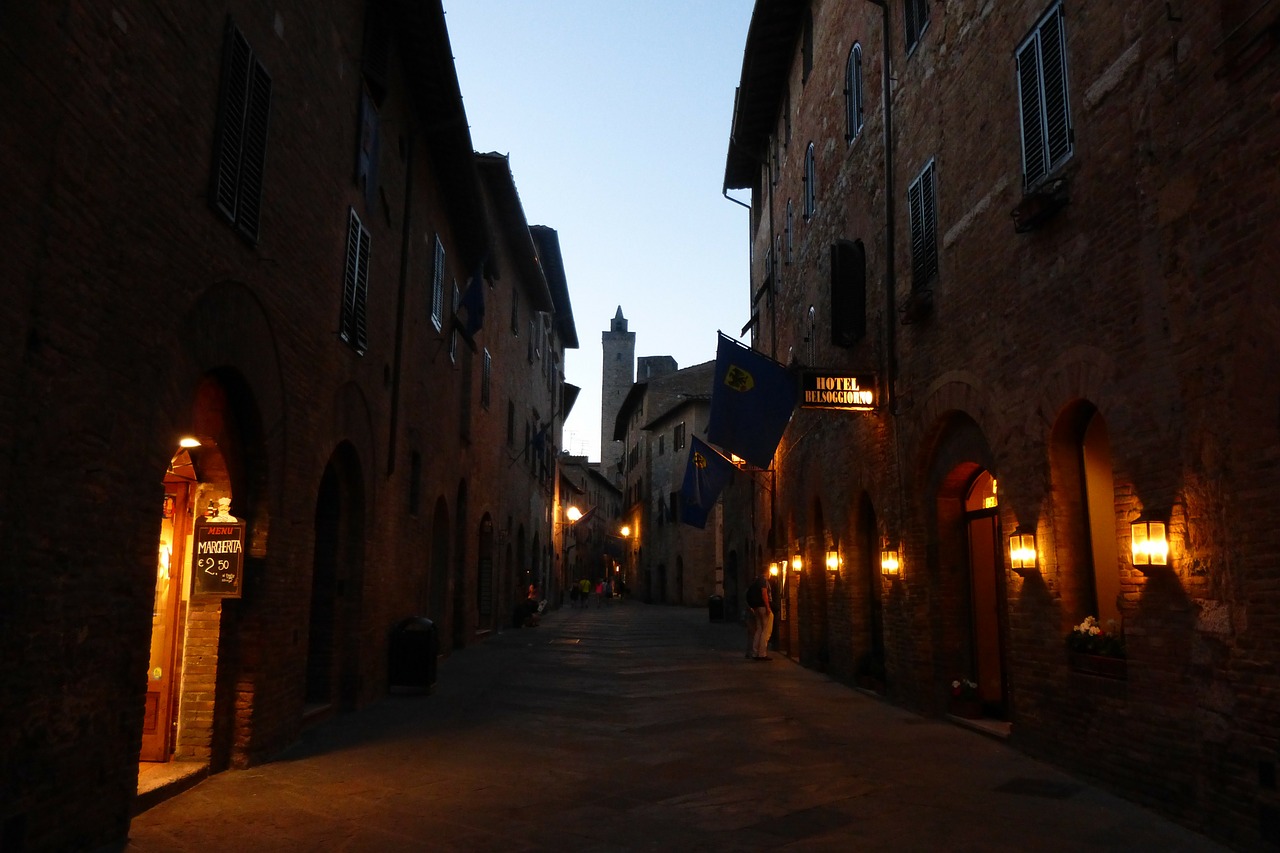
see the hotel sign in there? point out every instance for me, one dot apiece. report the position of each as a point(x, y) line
point(848, 392)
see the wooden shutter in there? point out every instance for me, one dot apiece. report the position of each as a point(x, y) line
point(232, 99)
point(240, 141)
point(355, 286)
point(1042, 94)
point(1054, 60)
point(253, 155)
point(922, 210)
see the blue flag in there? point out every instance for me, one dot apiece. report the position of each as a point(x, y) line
point(752, 398)
point(705, 476)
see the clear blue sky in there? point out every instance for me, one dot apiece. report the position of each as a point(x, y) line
point(616, 117)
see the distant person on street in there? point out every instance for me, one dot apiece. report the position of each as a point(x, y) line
point(584, 592)
point(762, 611)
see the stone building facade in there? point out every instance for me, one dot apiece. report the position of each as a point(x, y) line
point(252, 259)
point(669, 562)
point(1045, 230)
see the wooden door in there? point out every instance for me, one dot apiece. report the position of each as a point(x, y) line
point(162, 681)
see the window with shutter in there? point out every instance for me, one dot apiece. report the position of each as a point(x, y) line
point(1047, 134)
point(240, 143)
point(923, 213)
point(353, 326)
point(486, 379)
point(437, 286)
point(917, 18)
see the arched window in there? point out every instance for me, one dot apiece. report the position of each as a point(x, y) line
point(853, 103)
point(810, 182)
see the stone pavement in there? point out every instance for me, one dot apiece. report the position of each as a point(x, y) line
point(636, 727)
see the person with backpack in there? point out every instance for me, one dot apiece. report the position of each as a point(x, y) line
point(759, 617)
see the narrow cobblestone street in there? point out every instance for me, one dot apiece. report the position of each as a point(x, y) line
point(634, 727)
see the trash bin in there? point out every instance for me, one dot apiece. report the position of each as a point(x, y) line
point(715, 608)
point(411, 663)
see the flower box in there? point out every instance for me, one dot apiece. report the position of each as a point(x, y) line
point(1100, 665)
point(970, 709)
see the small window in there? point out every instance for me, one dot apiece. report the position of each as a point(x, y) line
point(853, 93)
point(486, 379)
point(677, 439)
point(437, 286)
point(662, 444)
point(917, 14)
point(848, 293)
point(511, 423)
point(922, 209)
point(240, 141)
point(1047, 135)
point(810, 182)
point(515, 313)
point(353, 324)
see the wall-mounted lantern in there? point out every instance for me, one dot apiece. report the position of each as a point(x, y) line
point(833, 560)
point(797, 564)
point(1022, 552)
point(1148, 543)
point(890, 565)
point(774, 570)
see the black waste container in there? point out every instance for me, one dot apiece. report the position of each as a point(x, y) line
point(411, 664)
point(715, 608)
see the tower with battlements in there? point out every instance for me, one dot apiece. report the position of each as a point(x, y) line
point(616, 378)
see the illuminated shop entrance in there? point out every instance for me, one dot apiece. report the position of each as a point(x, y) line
point(195, 486)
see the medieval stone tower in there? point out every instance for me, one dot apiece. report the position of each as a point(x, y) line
point(616, 378)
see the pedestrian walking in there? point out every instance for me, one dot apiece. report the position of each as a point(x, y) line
point(762, 609)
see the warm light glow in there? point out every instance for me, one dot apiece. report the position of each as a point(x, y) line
point(1148, 543)
point(796, 563)
point(773, 570)
point(889, 564)
point(573, 513)
point(1022, 550)
point(833, 561)
point(188, 442)
point(626, 531)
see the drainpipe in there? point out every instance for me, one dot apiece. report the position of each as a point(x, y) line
point(891, 283)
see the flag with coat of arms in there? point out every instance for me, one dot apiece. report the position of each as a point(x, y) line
point(705, 476)
point(752, 398)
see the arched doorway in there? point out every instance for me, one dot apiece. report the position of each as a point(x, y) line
point(484, 572)
point(217, 469)
point(461, 616)
point(333, 629)
point(1085, 514)
point(439, 569)
point(869, 669)
point(966, 568)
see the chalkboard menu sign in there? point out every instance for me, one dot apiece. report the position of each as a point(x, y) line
point(218, 557)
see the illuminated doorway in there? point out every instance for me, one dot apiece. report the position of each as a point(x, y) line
point(194, 481)
point(986, 591)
